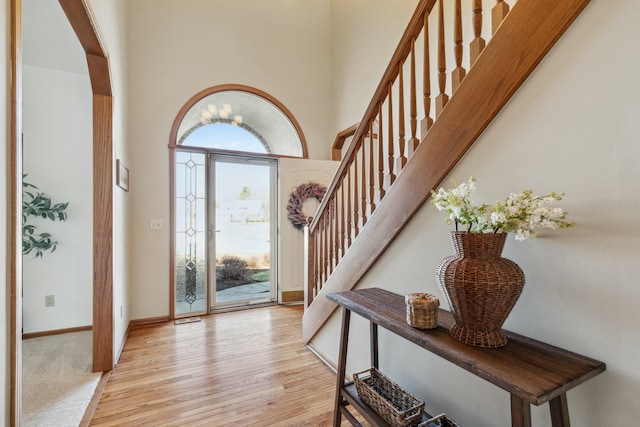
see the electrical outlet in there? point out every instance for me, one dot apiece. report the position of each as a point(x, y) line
point(156, 224)
point(49, 300)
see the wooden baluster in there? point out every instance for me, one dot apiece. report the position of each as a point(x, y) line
point(333, 259)
point(316, 263)
point(320, 261)
point(478, 43)
point(343, 235)
point(372, 184)
point(498, 13)
point(311, 279)
point(323, 273)
point(391, 177)
point(356, 199)
point(348, 196)
point(459, 72)
point(402, 159)
point(328, 250)
point(426, 81)
point(363, 182)
point(413, 107)
point(325, 239)
point(336, 228)
point(320, 257)
point(441, 99)
point(380, 155)
point(313, 236)
point(325, 260)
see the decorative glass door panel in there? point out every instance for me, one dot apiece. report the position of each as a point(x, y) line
point(190, 234)
point(242, 231)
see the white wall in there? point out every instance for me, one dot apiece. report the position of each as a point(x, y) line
point(175, 51)
point(294, 172)
point(57, 153)
point(572, 127)
point(364, 35)
point(5, 297)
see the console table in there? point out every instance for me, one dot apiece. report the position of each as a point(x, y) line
point(531, 371)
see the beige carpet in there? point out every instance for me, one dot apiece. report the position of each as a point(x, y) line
point(57, 382)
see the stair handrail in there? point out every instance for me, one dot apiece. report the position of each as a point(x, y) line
point(416, 24)
point(517, 47)
point(394, 71)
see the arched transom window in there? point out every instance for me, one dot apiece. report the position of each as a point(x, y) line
point(242, 119)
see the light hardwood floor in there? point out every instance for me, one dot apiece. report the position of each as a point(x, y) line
point(242, 368)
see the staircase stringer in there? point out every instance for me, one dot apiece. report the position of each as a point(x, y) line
point(521, 42)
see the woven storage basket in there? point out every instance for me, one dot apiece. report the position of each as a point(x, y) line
point(422, 310)
point(398, 407)
point(441, 420)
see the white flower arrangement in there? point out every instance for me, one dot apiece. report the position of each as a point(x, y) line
point(518, 213)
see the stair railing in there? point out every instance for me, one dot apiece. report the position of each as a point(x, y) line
point(387, 136)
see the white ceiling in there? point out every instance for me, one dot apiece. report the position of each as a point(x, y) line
point(48, 39)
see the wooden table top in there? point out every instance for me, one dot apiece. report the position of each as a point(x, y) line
point(530, 369)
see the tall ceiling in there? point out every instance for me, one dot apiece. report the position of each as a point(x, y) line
point(48, 39)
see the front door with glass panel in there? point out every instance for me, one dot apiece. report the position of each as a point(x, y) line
point(242, 231)
point(225, 242)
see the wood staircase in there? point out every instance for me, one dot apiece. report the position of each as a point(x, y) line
point(386, 176)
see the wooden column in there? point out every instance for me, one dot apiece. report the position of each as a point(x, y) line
point(102, 233)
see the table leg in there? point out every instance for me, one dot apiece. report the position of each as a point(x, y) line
point(559, 411)
point(374, 344)
point(520, 412)
point(342, 364)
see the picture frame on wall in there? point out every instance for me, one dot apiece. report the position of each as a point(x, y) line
point(122, 175)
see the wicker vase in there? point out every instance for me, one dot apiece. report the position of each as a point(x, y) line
point(481, 287)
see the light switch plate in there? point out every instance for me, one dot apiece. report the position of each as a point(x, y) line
point(156, 224)
point(49, 300)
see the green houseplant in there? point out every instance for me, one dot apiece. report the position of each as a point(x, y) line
point(37, 204)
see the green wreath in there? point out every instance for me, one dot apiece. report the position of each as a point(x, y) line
point(297, 198)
